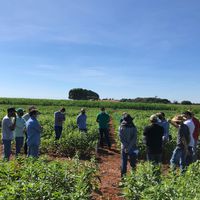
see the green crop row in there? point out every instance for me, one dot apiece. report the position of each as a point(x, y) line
point(149, 183)
point(43, 179)
point(95, 104)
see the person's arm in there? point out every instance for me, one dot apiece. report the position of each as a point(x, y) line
point(97, 120)
point(173, 123)
point(123, 139)
point(36, 126)
point(132, 143)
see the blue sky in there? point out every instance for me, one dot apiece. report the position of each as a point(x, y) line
point(119, 49)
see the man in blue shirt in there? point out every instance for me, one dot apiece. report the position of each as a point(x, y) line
point(33, 133)
point(59, 117)
point(81, 121)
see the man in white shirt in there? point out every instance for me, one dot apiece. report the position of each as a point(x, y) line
point(8, 126)
point(188, 121)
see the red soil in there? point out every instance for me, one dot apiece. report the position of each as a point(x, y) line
point(109, 172)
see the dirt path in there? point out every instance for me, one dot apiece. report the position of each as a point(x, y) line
point(109, 167)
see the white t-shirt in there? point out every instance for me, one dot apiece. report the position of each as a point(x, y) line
point(191, 127)
point(7, 133)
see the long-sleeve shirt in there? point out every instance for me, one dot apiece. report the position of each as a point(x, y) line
point(20, 125)
point(33, 131)
point(183, 135)
point(191, 127)
point(153, 135)
point(81, 121)
point(59, 118)
point(128, 137)
point(165, 125)
point(7, 133)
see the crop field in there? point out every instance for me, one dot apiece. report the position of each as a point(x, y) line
point(68, 169)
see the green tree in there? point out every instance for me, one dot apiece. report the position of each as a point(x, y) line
point(186, 102)
point(82, 94)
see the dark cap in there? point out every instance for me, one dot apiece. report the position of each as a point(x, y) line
point(20, 110)
point(188, 113)
point(62, 109)
point(12, 109)
point(34, 111)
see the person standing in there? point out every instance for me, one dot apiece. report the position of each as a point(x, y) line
point(59, 117)
point(183, 138)
point(128, 138)
point(8, 126)
point(188, 121)
point(34, 130)
point(81, 121)
point(19, 130)
point(153, 135)
point(165, 124)
point(103, 120)
point(26, 117)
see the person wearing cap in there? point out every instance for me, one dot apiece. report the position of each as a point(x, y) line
point(34, 130)
point(183, 138)
point(8, 126)
point(26, 117)
point(81, 121)
point(122, 117)
point(59, 117)
point(128, 139)
point(19, 130)
point(153, 135)
point(103, 120)
point(188, 121)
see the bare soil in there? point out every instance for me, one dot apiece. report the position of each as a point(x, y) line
point(109, 172)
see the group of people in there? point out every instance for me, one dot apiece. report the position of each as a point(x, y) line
point(26, 130)
point(155, 137)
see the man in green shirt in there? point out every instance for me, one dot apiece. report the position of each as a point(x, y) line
point(103, 119)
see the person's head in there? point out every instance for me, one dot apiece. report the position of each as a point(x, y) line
point(187, 114)
point(62, 110)
point(34, 113)
point(82, 111)
point(178, 119)
point(153, 119)
point(102, 109)
point(127, 120)
point(20, 112)
point(161, 115)
point(11, 112)
point(124, 113)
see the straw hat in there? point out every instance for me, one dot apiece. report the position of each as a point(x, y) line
point(178, 118)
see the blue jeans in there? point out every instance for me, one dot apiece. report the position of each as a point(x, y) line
point(58, 131)
point(7, 149)
point(104, 132)
point(124, 158)
point(33, 151)
point(178, 158)
point(19, 144)
point(155, 158)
